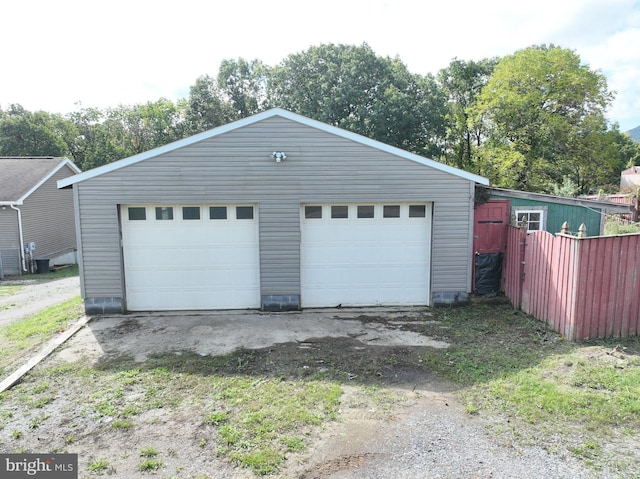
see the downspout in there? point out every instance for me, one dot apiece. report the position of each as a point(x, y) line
point(24, 261)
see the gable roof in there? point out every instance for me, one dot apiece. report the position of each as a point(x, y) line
point(259, 117)
point(610, 206)
point(22, 175)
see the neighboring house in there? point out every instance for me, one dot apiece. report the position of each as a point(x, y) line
point(630, 177)
point(35, 216)
point(548, 212)
point(275, 211)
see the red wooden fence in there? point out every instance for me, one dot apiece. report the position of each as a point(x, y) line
point(582, 287)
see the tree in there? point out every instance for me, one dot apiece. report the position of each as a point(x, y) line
point(543, 105)
point(205, 108)
point(462, 81)
point(116, 133)
point(25, 133)
point(352, 88)
point(243, 83)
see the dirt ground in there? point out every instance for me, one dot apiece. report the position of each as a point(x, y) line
point(425, 434)
point(35, 296)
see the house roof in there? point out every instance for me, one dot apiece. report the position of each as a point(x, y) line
point(587, 203)
point(259, 117)
point(22, 175)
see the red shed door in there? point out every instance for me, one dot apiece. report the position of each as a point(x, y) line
point(490, 228)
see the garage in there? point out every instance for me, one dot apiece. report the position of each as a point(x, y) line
point(190, 257)
point(365, 254)
point(274, 211)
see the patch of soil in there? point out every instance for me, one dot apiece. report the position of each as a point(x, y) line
point(35, 297)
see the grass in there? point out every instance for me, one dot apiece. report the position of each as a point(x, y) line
point(554, 393)
point(20, 337)
point(252, 421)
point(9, 289)
point(262, 415)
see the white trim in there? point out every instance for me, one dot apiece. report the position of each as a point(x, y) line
point(542, 210)
point(63, 163)
point(259, 117)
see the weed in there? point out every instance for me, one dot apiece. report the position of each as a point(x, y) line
point(262, 462)
point(122, 424)
point(98, 465)
point(35, 422)
point(69, 439)
point(293, 444)
point(149, 465)
point(149, 452)
point(216, 418)
point(16, 434)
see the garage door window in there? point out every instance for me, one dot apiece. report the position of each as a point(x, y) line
point(217, 212)
point(244, 212)
point(339, 212)
point(190, 212)
point(313, 212)
point(417, 211)
point(365, 211)
point(164, 213)
point(391, 211)
point(137, 213)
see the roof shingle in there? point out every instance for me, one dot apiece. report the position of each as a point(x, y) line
point(18, 175)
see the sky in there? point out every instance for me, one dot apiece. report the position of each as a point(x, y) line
point(56, 55)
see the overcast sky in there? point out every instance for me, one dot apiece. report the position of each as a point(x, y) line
point(55, 53)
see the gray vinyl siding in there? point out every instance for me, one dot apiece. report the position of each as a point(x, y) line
point(48, 218)
point(9, 241)
point(236, 167)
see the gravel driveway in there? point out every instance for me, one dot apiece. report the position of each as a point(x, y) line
point(35, 297)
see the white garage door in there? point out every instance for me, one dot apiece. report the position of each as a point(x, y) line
point(191, 257)
point(365, 254)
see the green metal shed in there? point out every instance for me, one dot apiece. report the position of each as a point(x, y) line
point(549, 212)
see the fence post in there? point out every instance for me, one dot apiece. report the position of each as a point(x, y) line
point(582, 231)
point(565, 228)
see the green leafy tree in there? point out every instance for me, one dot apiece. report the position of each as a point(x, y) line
point(206, 107)
point(243, 83)
point(25, 133)
point(352, 88)
point(462, 81)
point(547, 108)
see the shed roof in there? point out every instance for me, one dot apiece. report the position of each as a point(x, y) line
point(634, 170)
point(259, 117)
point(587, 203)
point(22, 175)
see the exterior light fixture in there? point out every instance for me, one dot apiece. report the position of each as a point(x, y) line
point(278, 156)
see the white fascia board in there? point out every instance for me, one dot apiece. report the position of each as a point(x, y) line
point(62, 164)
point(259, 117)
